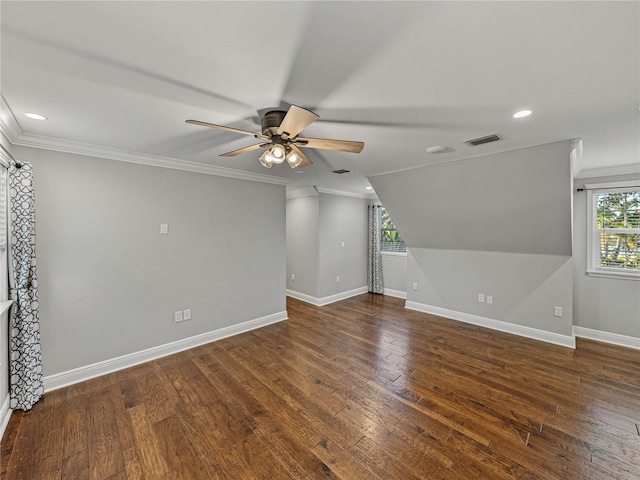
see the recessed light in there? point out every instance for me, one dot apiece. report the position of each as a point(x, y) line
point(522, 114)
point(369, 188)
point(35, 116)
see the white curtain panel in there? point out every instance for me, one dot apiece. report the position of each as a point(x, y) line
point(374, 262)
point(25, 358)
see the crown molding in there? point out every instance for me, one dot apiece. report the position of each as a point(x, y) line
point(609, 171)
point(301, 192)
point(68, 146)
point(11, 130)
point(345, 194)
point(9, 126)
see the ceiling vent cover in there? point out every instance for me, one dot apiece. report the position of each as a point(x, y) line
point(341, 171)
point(474, 142)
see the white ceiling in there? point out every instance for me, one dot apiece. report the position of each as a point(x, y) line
point(399, 76)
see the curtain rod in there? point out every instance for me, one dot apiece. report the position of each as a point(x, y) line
point(605, 187)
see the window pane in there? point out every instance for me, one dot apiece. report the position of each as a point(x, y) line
point(391, 240)
point(618, 210)
point(620, 250)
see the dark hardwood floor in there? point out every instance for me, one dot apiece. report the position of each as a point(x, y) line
point(360, 389)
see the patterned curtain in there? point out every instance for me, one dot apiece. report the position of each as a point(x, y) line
point(25, 358)
point(374, 263)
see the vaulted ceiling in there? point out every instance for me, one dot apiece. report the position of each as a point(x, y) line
point(120, 78)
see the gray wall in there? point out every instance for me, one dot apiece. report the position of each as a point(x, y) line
point(303, 244)
point(499, 225)
point(525, 288)
point(607, 304)
point(109, 283)
point(394, 272)
point(317, 225)
point(517, 201)
point(342, 219)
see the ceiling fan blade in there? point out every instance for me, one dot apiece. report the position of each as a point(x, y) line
point(296, 119)
point(240, 151)
point(305, 160)
point(326, 144)
point(222, 127)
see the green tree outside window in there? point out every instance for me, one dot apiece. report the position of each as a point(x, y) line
point(391, 240)
point(618, 225)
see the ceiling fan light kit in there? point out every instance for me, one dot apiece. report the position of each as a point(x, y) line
point(280, 136)
point(266, 159)
point(276, 156)
point(293, 160)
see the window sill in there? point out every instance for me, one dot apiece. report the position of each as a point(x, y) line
point(616, 275)
point(394, 254)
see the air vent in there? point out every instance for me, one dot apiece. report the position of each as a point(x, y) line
point(474, 142)
point(341, 171)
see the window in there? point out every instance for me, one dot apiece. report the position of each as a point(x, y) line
point(391, 240)
point(614, 232)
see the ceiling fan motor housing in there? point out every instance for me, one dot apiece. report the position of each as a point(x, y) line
point(271, 121)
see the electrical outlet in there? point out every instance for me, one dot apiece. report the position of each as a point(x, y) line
point(489, 299)
point(557, 311)
point(342, 244)
point(415, 286)
point(481, 297)
point(186, 314)
point(293, 277)
point(164, 229)
point(177, 317)
point(337, 279)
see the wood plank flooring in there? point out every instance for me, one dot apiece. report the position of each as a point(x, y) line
point(360, 389)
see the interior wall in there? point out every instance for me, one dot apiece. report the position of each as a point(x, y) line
point(499, 225)
point(525, 288)
point(109, 282)
point(343, 221)
point(318, 224)
point(609, 305)
point(394, 273)
point(303, 244)
point(516, 201)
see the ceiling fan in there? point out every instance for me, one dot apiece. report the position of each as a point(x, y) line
point(279, 136)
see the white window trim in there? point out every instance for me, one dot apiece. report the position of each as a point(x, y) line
point(394, 254)
point(593, 254)
point(4, 235)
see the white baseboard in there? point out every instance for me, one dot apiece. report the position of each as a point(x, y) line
point(5, 415)
point(395, 293)
point(321, 302)
point(63, 379)
point(613, 338)
point(528, 332)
